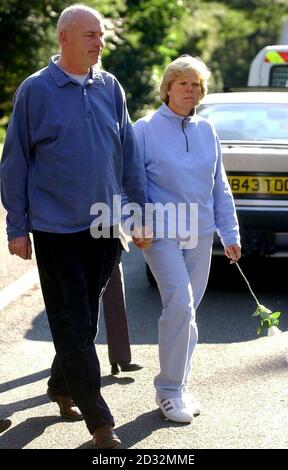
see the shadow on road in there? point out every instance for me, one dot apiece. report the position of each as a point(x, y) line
point(138, 430)
point(11, 408)
point(27, 379)
point(21, 435)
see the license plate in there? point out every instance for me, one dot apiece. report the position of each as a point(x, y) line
point(264, 184)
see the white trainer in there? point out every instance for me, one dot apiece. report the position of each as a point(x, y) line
point(175, 409)
point(193, 404)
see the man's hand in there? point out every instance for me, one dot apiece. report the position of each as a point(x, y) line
point(142, 237)
point(21, 246)
point(233, 252)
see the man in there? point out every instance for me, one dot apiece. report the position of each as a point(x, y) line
point(69, 145)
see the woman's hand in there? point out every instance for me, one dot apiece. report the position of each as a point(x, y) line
point(142, 238)
point(233, 252)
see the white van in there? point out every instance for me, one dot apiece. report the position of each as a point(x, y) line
point(270, 67)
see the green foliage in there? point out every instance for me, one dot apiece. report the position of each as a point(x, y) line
point(2, 135)
point(26, 29)
point(143, 36)
point(227, 36)
point(267, 318)
point(108, 8)
point(148, 42)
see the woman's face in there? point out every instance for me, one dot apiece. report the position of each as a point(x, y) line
point(185, 93)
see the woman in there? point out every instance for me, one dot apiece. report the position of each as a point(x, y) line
point(183, 165)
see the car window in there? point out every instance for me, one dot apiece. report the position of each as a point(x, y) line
point(248, 121)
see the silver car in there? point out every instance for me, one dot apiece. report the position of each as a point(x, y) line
point(253, 130)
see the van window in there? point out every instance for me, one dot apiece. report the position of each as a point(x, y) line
point(279, 75)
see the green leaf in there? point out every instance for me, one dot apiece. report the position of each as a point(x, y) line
point(275, 315)
point(267, 317)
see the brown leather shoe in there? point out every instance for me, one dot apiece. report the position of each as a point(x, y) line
point(68, 409)
point(129, 366)
point(105, 437)
point(126, 366)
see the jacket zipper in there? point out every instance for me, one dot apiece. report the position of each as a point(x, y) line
point(183, 125)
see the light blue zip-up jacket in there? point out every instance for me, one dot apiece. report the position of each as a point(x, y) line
point(183, 163)
point(67, 147)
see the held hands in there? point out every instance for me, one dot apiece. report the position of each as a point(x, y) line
point(142, 237)
point(21, 246)
point(233, 252)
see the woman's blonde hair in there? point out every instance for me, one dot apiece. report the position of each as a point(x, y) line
point(180, 66)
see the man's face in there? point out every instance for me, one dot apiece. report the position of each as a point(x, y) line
point(83, 43)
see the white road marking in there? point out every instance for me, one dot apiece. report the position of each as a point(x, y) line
point(18, 287)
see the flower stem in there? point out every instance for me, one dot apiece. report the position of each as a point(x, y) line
point(249, 287)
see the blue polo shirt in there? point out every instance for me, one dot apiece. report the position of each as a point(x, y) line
point(67, 147)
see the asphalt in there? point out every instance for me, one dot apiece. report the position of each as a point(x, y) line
point(242, 385)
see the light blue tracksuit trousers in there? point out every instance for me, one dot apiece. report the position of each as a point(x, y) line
point(182, 276)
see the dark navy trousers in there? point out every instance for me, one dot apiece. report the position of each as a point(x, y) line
point(74, 268)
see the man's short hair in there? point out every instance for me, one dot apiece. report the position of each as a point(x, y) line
point(66, 19)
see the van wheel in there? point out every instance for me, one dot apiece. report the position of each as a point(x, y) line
point(150, 277)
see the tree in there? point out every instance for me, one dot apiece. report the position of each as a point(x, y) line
point(25, 28)
point(146, 44)
point(225, 34)
point(228, 34)
point(143, 36)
